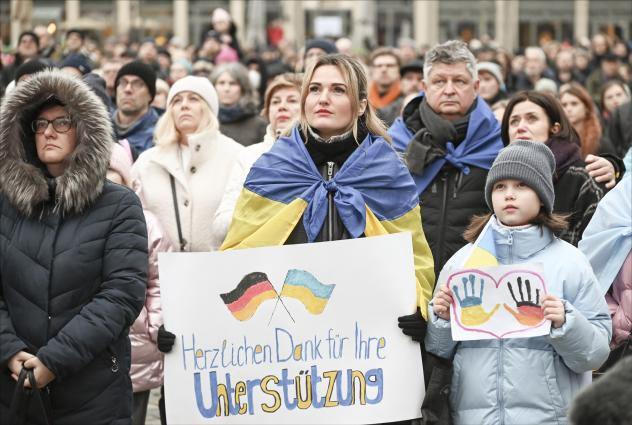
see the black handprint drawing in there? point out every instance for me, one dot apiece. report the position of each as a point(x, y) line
point(529, 313)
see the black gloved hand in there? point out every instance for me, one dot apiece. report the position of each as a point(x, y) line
point(413, 325)
point(165, 339)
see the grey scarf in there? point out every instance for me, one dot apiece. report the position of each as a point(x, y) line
point(428, 143)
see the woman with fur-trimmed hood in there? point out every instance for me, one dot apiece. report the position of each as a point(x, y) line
point(73, 255)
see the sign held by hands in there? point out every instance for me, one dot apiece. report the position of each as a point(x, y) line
point(496, 302)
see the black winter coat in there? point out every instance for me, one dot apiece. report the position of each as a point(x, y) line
point(577, 194)
point(448, 204)
point(620, 129)
point(73, 261)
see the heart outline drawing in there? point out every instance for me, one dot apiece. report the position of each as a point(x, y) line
point(527, 275)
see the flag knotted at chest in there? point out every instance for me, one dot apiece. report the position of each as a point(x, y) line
point(479, 149)
point(373, 177)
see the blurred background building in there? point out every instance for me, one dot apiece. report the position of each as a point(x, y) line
point(368, 23)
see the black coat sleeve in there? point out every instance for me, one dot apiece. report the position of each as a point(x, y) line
point(118, 302)
point(10, 343)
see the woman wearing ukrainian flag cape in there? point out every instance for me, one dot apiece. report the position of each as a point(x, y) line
point(334, 176)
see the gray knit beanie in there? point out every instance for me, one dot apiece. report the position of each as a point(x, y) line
point(530, 162)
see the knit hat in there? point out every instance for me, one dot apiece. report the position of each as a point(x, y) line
point(198, 85)
point(78, 61)
point(532, 163)
point(220, 15)
point(185, 64)
point(412, 66)
point(30, 67)
point(321, 43)
point(97, 85)
point(546, 85)
point(495, 70)
point(121, 163)
point(141, 70)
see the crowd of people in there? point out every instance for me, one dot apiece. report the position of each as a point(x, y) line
point(112, 153)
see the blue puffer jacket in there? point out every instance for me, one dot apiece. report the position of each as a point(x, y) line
point(529, 380)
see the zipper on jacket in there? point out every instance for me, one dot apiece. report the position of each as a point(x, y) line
point(113, 359)
point(457, 184)
point(501, 401)
point(330, 204)
point(50, 276)
point(510, 243)
point(444, 205)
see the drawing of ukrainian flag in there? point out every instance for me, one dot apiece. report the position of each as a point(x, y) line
point(483, 252)
point(307, 289)
point(373, 192)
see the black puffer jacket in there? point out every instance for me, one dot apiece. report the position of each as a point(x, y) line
point(448, 204)
point(73, 260)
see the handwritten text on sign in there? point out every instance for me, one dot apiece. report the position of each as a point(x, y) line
point(303, 333)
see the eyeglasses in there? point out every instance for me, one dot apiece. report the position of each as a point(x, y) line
point(136, 84)
point(60, 125)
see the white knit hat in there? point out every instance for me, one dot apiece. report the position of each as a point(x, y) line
point(495, 70)
point(220, 14)
point(198, 85)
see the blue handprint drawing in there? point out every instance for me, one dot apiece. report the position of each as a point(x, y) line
point(472, 313)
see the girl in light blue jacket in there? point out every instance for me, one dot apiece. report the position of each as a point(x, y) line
point(525, 380)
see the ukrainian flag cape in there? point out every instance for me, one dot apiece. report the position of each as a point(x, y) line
point(373, 194)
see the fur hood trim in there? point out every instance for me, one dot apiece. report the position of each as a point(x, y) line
point(22, 176)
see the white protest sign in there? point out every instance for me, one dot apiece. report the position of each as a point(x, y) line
point(329, 351)
point(496, 302)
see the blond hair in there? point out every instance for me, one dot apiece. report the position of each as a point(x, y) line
point(355, 78)
point(166, 132)
point(288, 80)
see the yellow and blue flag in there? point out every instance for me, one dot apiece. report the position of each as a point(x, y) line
point(373, 193)
point(304, 286)
point(483, 252)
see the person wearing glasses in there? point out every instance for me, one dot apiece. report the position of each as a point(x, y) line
point(134, 119)
point(73, 250)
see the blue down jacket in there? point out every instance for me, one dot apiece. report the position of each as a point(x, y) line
point(528, 380)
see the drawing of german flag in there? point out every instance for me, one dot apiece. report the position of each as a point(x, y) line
point(245, 299)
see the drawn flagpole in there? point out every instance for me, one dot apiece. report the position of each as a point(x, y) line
point(277, 303)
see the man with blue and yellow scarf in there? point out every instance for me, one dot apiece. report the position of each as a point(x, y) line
point(449, 138)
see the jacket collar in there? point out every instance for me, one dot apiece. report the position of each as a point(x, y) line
point(519, 243)
point(149, 119)
point(203, 146)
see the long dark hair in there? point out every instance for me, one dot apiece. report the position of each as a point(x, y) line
point(553, 109)
point(591, 133)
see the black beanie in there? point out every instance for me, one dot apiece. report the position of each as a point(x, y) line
point(30, 67)
point(142, 71)
point(78, 61)
point(97, 85)
point(321, 43)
